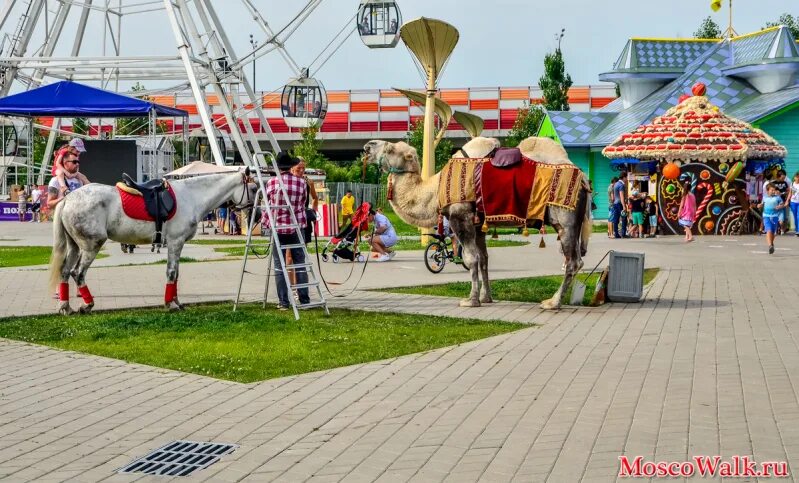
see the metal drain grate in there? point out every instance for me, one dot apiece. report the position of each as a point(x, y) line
point(179, 458)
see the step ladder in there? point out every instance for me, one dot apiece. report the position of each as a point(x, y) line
point(267, 160)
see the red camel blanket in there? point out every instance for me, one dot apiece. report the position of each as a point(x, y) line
point(509, 195)
point(133, 203)
point(505, 191)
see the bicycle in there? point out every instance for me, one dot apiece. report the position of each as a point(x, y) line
point(438, 252)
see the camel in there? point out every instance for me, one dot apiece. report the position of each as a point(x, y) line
point(416, 202)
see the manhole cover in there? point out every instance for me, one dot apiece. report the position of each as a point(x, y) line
point(179, 458)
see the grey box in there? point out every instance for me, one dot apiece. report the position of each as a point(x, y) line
point(626, 277)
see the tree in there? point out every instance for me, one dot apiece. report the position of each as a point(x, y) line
point(708, 29)
point(555, 82)
point(415, 138)
point(309, 148)
point(528, 122)
point(789, 21)
point(80, 125)
point(133, 126)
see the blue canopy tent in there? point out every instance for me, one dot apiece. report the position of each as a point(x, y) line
point(70, 99)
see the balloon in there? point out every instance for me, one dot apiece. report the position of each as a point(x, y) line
point(698, 89)
point(734, 172)
point(671, 171)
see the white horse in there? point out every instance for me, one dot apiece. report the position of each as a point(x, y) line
point(89, 216)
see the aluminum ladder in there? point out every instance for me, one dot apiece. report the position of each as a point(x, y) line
point(261, 201)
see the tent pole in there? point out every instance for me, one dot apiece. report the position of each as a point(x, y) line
point(81, 30)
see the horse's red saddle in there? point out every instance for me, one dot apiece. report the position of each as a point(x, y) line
point(506, 157)
point(151, 201)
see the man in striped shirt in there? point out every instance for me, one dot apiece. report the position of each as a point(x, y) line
point(287, 235)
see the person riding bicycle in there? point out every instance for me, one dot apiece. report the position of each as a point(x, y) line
point(446, 231)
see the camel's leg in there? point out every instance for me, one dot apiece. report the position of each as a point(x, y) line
point(79, 274)
point(462, 223)
point(485, 288)
point(70, 260)
point(568, 227)
point(173, 260)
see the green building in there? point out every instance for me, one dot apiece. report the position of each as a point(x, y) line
point(752, 77)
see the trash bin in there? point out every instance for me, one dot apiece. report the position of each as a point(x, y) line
point(626, 277)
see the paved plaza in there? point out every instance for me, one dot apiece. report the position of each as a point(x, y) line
point(708, 364)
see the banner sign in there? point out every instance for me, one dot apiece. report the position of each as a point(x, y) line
point(8, 211)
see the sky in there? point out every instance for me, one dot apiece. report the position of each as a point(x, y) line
point(502, 42)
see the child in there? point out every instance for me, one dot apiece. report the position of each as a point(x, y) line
point(772, 204)
point(652, 212)
point(687, 211)
point(637, 209)
point(74, 148)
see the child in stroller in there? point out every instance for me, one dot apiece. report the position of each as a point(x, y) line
point(345, 243)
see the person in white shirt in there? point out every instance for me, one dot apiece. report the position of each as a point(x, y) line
point(36, 200)
point(794, 197)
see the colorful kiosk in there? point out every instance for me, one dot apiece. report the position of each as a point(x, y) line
point(724, 159)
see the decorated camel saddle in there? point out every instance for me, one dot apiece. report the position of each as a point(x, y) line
point(508, 187)
point(153, 201)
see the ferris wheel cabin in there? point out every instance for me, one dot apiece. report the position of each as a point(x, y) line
point(379, 23)
point(304, 102)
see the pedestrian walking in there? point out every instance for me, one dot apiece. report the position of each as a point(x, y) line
point(772, 205)
point(22, 203)
point(795, 202)
point(619, 211)
point(347, 208)
point(36, 203)
point(687, 211)
point(610, 205)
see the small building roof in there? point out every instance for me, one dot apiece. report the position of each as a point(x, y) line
point(695, 129)
point(722, 65)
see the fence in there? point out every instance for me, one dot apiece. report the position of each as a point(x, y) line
point(373, 193)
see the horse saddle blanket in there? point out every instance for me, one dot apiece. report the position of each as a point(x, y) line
point(148, 203)
point(509, 194)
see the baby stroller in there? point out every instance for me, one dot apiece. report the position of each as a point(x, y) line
point(345, 243)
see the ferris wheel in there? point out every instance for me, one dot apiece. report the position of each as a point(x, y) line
point(32, 31)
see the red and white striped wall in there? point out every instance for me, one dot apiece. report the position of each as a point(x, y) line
point(389, 114)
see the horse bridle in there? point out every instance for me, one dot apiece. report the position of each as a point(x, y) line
point(246, 193)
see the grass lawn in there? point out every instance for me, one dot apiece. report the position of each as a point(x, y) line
point(22, 256)
point(402, 245)
point(532, 289)
point(251, 344)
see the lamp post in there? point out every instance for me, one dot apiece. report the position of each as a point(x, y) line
point(559, 36)
point(254, 44)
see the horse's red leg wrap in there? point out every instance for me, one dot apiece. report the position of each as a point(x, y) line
point(171, 292)
point(63, 291)
point(87, 296)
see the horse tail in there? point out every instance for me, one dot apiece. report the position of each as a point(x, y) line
point(60, 240)
point(587, 227)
